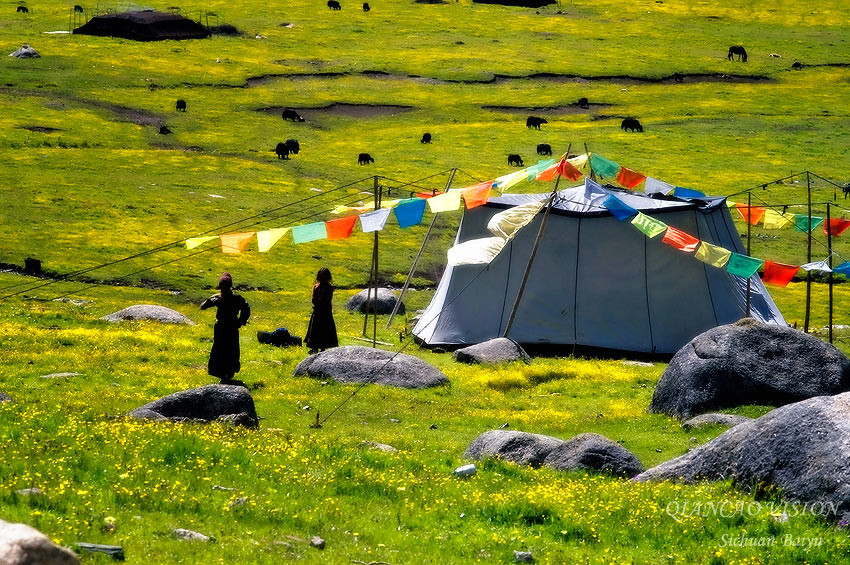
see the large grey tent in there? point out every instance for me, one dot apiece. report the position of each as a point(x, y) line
point(144, 25)
point(596, 282)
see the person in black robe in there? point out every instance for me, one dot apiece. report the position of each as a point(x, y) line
point(232, 312)
point(321, 333)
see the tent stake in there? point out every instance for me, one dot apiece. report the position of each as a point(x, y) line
point(418, 256)
point(808, 256)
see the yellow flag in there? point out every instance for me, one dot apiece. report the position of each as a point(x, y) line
point(712, 254)
point(266, 239)
point(505, 182)
point(194, 242)
point(774, 220)
point(446, 202)
point(731, 204)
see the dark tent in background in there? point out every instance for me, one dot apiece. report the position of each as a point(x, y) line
point(146, 25)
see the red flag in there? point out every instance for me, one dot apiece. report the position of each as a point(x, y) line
point(478, 194)
point(426, 194)
point(836, 227)
point(629, 178)
point(680, 240)
point(341, 228)
point(563, 168)
point(751, 214)
point(778, 273)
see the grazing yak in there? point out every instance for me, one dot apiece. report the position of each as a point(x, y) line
point(739, 51)
point(23, 10)
point(291, 115)
point(426, 138)
point(631, 124)
point(282, 151)
point(515, 160)
point(366, 7)
point(181, 105)
point(535, 122)
point(583, 103)
point(293, 146)
point(78, 9)
point(544, 149)
point(364, 159)
point(797, 66)
point(334, 5)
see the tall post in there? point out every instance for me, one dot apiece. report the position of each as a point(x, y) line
point(373, 275)
point(418, 256)
point(375, 301)
point(808, 254)
point(829, 259)
point(587, 152)
point(749, 242)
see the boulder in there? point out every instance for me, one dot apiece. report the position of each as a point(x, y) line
point(386, 301)
point(520, 447)
point(801, 449)
point(149, 312)
point(205, 404)
point(23, 545)
point(749, 363)
point(5, 397)
point(189, 535)
point(499, 350)
point(715, 419)
point(358, 364)
point(593, 452)
point(24, 52)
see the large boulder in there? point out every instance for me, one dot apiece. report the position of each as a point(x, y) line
point(498, 350)
point(24, 52)
point(357, 364)
point(800, 448)
point(149, 312)
point(362, 302)
point(749, 363)
point(23, 545)
point(227, 403)
point(520, 447)
point(593, 452)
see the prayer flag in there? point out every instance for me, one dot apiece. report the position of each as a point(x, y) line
point(655, 186)
point(680, 240)
point(410, 213)
point(563, 168)
point(534, 170)
point(194, 242)
point(235, 242)
point(341, 228)
point(375, 220)
point(446, 202)
point(309, 232)
point(751, 214)
point(836, 227)
point(603, 167)
point(266, 239)
point(344, 209)
point(731, 204)
point(477, 195)
point(743, 265)
point(773, 220)
point(822, 266)
point(476, 251)
point(778, 274)
point(801, 222)
point(648, 225)
point(683, 192)
point(714, 255)
point(506, 181)
point(506, 223)
point(618, 208)
point(629, 178)
point(842, 269)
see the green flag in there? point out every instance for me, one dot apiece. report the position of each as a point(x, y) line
point(743, 265)
point(534, 170)
point(801, 221)
point(649, 226)
point(603, 167)
point(309, 232)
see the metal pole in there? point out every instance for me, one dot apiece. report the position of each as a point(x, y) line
point(416, 260)
point(829, 259)
point(749, 242)
point(808, 255)
point(375, 302)
point(372, 274)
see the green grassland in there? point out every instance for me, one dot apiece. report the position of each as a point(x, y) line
point(103, 184)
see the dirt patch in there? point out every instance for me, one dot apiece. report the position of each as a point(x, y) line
point(341, 109)
point(548, 110)
point(40, 129)
point(628, 79)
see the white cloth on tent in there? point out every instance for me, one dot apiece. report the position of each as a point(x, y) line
point(822, 266)
point(375, 220)
point(506, 223)
point(655, 186)
point(476, 251)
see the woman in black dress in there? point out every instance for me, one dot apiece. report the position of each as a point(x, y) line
point(232, 312)
point(321, 333)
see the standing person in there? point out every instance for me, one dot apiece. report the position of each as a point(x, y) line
point(321, 333)
point(232, 313)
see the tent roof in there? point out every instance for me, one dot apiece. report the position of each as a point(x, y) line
point(144, 25)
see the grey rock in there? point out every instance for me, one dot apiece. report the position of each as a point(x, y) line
point(594, 452)
point(715, 419)
point(23, 545)
point(5, 397)
point(520, 447)
point(116, 552)
point(149, 312)
point(241, 419)
point(24, 52)
point(317, 542)
point(379, 446)
point(189, 535)
point(60, 375)
point(523, 557)
point(465, 470)
point(361, 302)
point(749, 363)
point(203, 404)
point(33, 491)
point(357, 364)
point(801, 449)
point(498, 350)
point(238, 503)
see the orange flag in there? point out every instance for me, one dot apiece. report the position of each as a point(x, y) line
point(563, 168)
point(341, 228)
point(751, 215)
point(680, 240)
point(629, 178)
point(235, 242)
point(477, 195)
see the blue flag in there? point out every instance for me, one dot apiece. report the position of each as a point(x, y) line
point(682, 192)
point(410, 213)
point(843, 268)
point(618, 208)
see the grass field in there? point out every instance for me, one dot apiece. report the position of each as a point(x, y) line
point(87, 180)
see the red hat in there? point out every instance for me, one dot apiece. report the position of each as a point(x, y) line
point(225, 280)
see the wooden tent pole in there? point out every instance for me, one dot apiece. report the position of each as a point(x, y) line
point(829, 259)
point(418, 256)
point(375, 302)
point(808, 255)
point(749, 241)
point(372, 274)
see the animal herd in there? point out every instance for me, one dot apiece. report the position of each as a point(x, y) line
point(335, 5)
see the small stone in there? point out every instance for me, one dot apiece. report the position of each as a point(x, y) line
point(34, 491)
point(60, 375)
point(317, 542)
point(116, 552)
point(239, 502)
point(505, 425)
point(523, 557)
point(379, 446)
point(432, 427)
point(465, 471)
point(189, 535)
point(395, 420)
point(219, 487)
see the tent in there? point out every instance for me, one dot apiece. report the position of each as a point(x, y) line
point(145, 25)
point(595, 282)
